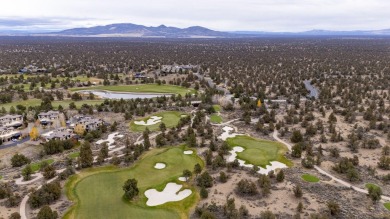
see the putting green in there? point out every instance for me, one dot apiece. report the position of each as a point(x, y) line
point(310, 178)
point(214, 118)
point(55, 104)
point(141, 88)
point(169, 118)
point(97, 192)
point(259, 152)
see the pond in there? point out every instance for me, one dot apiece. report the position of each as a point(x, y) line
point(124, 95)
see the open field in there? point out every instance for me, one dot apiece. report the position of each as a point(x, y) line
point(259, 152)
point(141, 88)
point(36, 166)
point(170, 118)
point(55, 104)
point(310, 178)
point(214, 118)
point(97, 192)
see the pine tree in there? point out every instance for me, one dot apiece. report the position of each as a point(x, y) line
point(86, 158)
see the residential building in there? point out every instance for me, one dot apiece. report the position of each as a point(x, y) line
point(48, 117)
point(14, 121)
point(58, 134)
point(8, 134)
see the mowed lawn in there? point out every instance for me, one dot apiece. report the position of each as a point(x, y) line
point(36, 166)
point(169, 118)
point(259, 152)
point(141, 88)
point(55, 104)
point(97, 192)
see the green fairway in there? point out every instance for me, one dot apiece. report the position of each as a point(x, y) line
point(387, 205)
point(141, 88)
point(259, 152)
point(369, 185)
point(55, 104)
point(217, 108)
point(170, 118)
point(310, 178)
point(36, 166)
point(97, 192)
point(214, 118)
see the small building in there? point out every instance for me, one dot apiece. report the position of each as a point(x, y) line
point(48, 117)
point(9, 134)
point(14, 121)
point(89, 123)
point(139, 75)
point(58, 134)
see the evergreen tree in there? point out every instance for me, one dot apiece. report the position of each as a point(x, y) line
point(86, 157)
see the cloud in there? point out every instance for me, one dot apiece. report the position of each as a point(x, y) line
point(255, 15)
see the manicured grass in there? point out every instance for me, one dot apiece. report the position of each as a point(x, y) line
point(97, 192)
point(369, 185)
point(1, 177)
point(387, 205)
point(55, 104)
point(170, 118)
point(214, 118)
point(259, 152)
point(310, 178)
point(36, 166)
point(217, 108)
point(141, 88)
point(74, 155)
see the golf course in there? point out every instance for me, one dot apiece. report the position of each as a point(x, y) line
point(169, 118)
point(141, 88)
point(97, 192)
point(259, 152)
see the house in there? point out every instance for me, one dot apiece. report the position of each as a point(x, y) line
point(8, 134)
point(139, 75)
point(89, 123)
point(14, 121)
point(58, 134)
point(48, 117)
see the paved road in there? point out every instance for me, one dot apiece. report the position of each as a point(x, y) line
point(14, 143)
point(334, 178)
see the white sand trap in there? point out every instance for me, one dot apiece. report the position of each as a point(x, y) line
point(151, 121)
point(183, 116)
point(169, 194)
point(274, 165)
point(188, 152)
point(160, 166)
point(183, 179)
point(226, 133)
point(110, 140)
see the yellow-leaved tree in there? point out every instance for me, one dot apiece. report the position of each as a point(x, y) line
point(79, 129)
point(259, 103)
point(34, 133)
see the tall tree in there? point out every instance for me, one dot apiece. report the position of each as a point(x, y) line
point(86, 158)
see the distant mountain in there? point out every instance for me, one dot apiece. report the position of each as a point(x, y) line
point(162, 31)
point(134, 30)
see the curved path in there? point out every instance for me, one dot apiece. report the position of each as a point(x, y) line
point(323, 172)
point(23, 203)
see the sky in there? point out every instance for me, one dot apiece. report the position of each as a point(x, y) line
point(222, 15)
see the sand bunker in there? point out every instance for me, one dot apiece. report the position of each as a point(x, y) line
point(188, 152)
point(110, 140)
point(160, 166)
point(169, 194)
point(226, 133)
point(274, 164)
point(151, 121)
point(183, 179)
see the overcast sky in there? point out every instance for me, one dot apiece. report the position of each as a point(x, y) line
point(224, 15)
